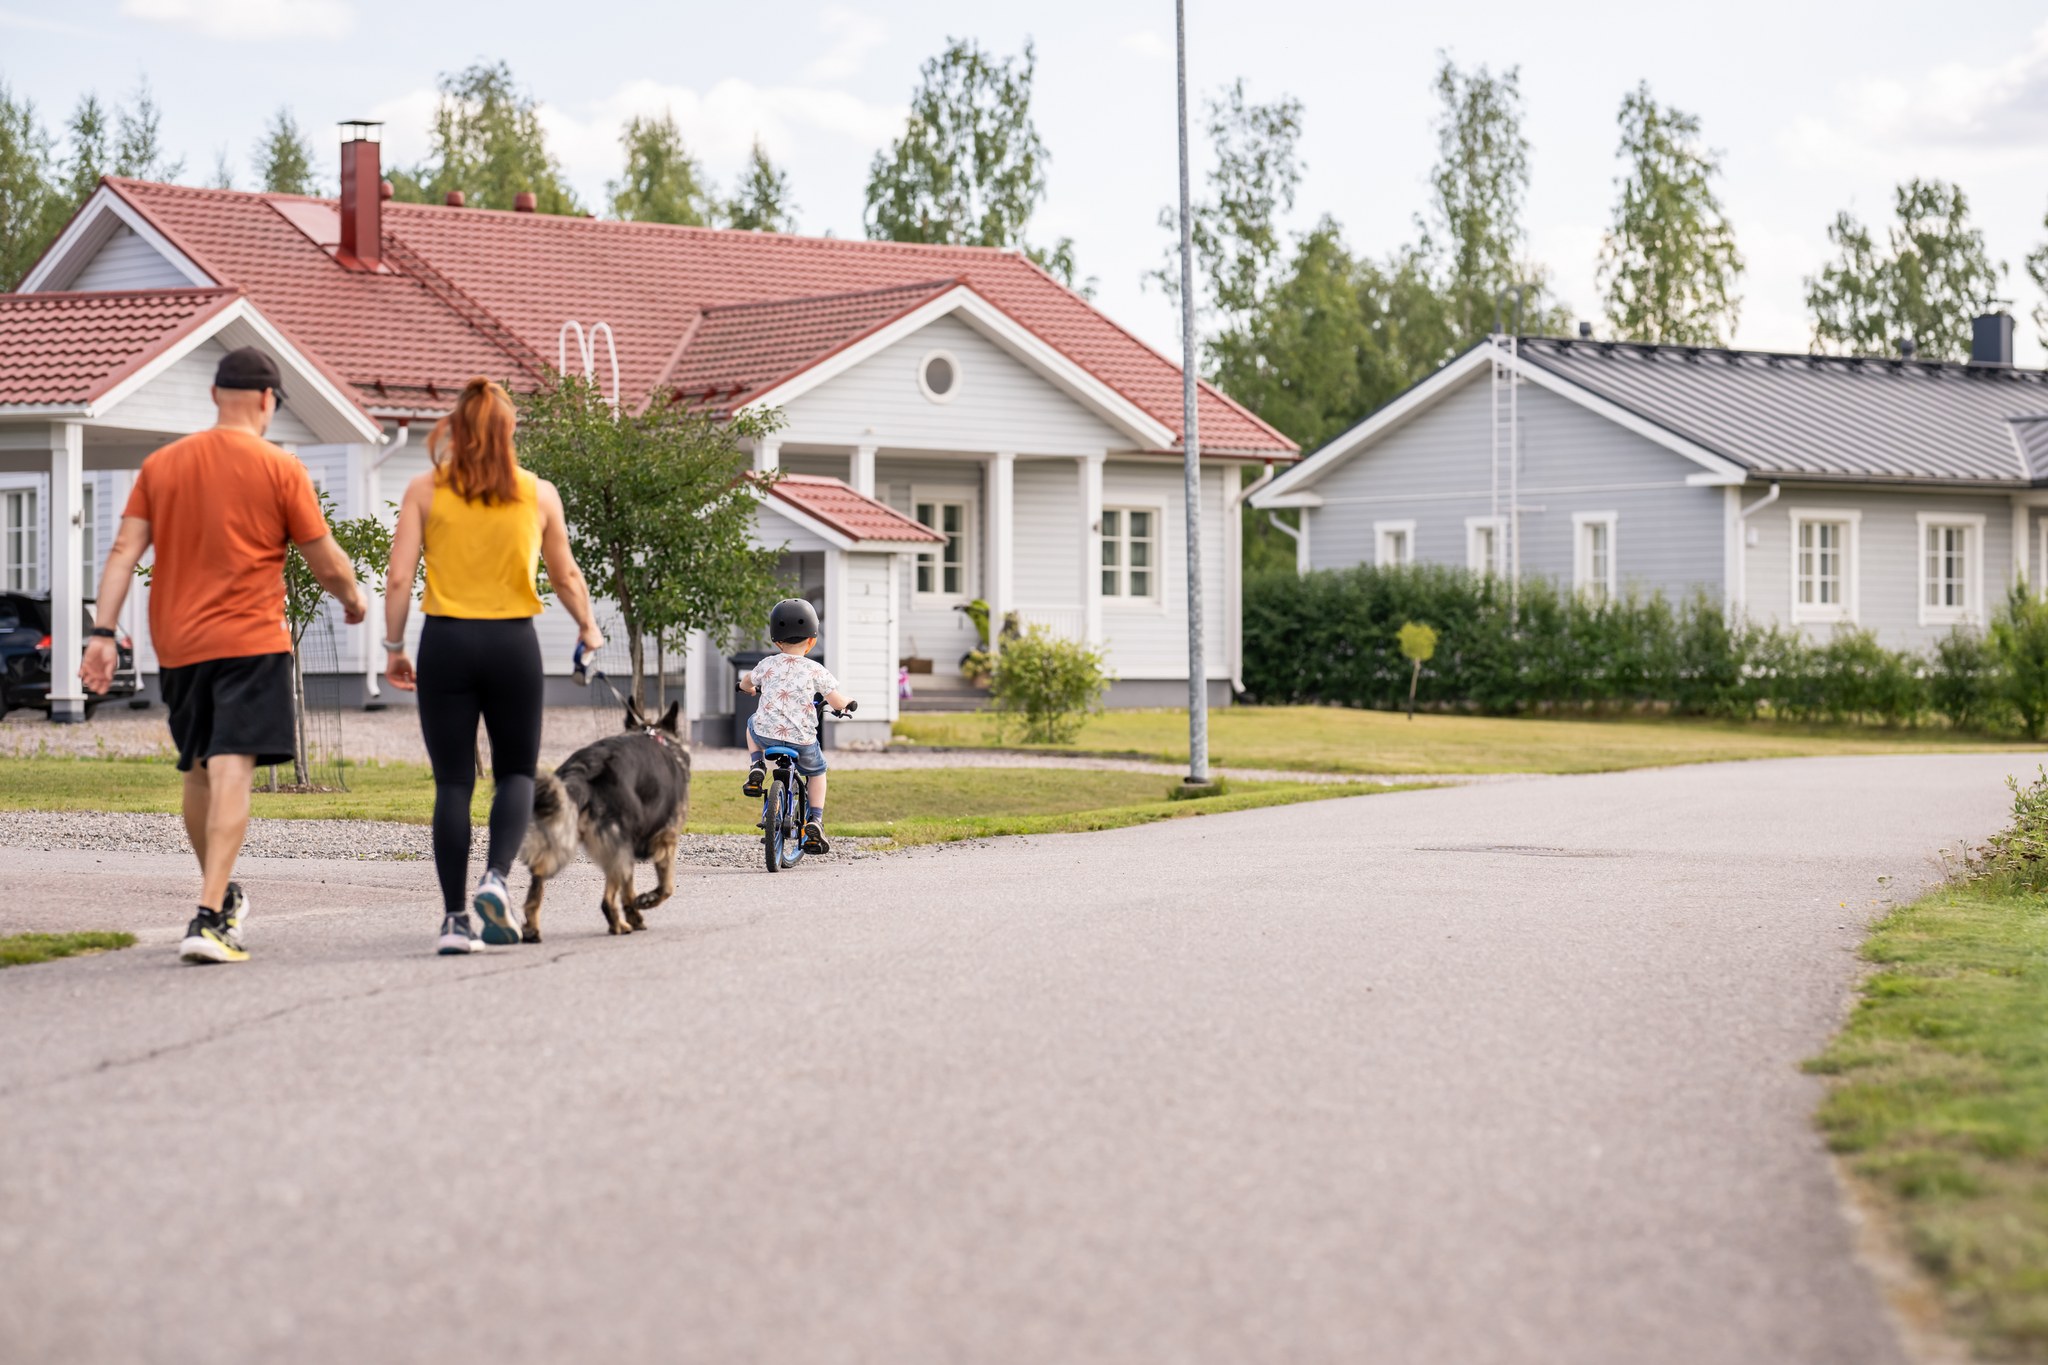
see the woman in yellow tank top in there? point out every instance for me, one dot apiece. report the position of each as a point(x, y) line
point(484, 525)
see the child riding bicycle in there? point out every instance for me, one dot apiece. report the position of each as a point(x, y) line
point(787, 684)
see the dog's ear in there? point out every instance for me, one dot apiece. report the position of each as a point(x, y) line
point(634, 720)
point(668, 717)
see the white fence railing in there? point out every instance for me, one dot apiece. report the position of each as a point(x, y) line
point(1068, 622)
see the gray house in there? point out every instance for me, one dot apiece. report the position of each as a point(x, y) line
point(1814, 491)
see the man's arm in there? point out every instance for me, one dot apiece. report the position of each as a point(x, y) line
point(333, 572)
point(102, 656)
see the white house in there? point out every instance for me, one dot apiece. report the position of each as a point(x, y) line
point(964, 426)
point(1815, 491)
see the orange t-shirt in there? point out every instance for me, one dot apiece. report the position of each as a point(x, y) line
point(221, 506)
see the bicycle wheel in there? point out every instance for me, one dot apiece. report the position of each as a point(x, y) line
point(773, 812)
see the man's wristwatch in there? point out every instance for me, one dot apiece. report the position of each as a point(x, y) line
point(394, 646)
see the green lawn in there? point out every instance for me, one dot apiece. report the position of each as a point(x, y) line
point(1942, 1102)
point(20, 950)
point(910, 806)
point(1339, 740)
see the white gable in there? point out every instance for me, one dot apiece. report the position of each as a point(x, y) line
point(998, 402)
point(126, 261)
point(180, 399)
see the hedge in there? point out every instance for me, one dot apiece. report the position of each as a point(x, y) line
point(1332, 637)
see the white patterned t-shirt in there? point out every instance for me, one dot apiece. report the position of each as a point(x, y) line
point(786, 684)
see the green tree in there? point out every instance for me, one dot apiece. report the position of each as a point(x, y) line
point(32, 206)
point(760, 202)
point(1668, 266)
point(2037, 271)
point(662, 182)
point(661, 511)
point(969, 168)
point(1474, 231)
point(1927, 280)
point(486, 141)
point(1235, 228)
point(283, 157)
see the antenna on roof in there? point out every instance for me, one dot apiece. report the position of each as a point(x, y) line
point(586, 352)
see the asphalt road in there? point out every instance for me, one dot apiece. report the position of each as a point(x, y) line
point(1496, 1073)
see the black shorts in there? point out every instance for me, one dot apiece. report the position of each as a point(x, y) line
point(231, 706)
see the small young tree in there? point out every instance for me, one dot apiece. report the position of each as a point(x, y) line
point(661, 511)
point(2019, 640)
point(1050, 682)
point(367, 543)
point(1418, 647)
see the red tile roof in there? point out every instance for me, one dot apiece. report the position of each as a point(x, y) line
point(68, 349)
point(744, 349)
point(848, 512)
point(475, 291)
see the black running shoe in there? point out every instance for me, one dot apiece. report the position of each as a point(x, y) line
point(458, 935)
point(814, 838)
point(755, 776)
point(207, 940)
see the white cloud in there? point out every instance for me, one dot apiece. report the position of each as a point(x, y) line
point(855, 35)
point(1145, 43)
point(249, 20)
point(1987, 112)
point(37, 24)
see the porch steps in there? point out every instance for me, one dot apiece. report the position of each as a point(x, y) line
point(942, 692)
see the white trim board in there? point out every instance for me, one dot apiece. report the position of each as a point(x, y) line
point(1852, 565)
point(1972, 610)
point(90, 230)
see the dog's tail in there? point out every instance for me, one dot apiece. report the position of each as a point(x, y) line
point(551, 837)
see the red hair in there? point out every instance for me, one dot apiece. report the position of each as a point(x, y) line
point(472, 446)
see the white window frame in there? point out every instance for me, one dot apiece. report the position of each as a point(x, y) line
point(1383, 533)
point(1852, 575)
point(1122, 568)
point(21, 537)
point(1582, 553)
point(1972, 610)
point(938, 498)
point(924, 386)
point(1476, 559)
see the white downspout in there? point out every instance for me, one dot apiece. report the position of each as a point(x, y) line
point(1742, 544)
point(373, 624)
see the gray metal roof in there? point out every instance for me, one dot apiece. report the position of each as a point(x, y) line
point(1824, 417)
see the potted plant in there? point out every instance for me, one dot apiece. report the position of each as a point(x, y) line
point(975, 666)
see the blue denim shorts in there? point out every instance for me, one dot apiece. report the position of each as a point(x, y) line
point(810, 758)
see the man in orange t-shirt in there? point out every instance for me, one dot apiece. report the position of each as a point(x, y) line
point(220, 507)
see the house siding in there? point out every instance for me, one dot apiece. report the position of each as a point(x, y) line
point(1887, 557)
point(1000, 404)
point(932, 629)
point(1150, 640)
point(126, 261)
point(1436, 470)
point(181, 399)
point(1047, 518)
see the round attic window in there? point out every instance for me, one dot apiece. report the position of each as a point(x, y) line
point(938, 374)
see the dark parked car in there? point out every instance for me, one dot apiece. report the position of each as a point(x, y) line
point(25, 657)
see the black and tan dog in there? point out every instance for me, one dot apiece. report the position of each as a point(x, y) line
point(621, 799)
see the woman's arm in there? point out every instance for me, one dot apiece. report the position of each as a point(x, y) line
point(404, 565)
point(563, 575)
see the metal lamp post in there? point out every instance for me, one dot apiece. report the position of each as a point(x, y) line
point(1198, 691)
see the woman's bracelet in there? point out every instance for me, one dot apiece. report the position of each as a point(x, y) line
point(394, 646)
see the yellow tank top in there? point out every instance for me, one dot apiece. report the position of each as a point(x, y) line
point(481, 559)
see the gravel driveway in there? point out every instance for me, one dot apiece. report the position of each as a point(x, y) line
point(1500, 1073)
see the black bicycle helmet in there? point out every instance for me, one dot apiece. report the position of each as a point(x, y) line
point(792, 620)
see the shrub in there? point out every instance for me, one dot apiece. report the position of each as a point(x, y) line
point(1963, 679)
point(1049, 682)
point(2021, 850)
point(2019, 642)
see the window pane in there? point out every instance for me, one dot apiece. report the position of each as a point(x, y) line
point(951, 512)
point(1141, 553)
point(1112, 521)
point(1112, 552)
point(928, 514)
point(1109, 582)
point(1141, 525)
point(956, 552)
point(952, 578)
point(924, 573)
point(1141, 583)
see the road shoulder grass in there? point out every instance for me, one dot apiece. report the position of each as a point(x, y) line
point(22, 950)
point(1939, 1102)
point(1335, 739)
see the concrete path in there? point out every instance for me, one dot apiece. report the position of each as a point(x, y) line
point(1491, 1073)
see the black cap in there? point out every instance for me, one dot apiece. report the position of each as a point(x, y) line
point(248, 368)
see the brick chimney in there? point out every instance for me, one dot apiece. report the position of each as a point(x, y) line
point(362, 196)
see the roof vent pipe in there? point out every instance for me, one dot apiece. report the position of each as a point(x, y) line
point(1585, 331)
point(453, 199)
point(362, 203)
point(1906, 348)
point(524, 202)
point(1991, 339)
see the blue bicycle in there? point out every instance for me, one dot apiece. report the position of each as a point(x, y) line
point(786, 795)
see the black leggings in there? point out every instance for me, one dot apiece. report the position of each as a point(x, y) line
point(469, 669)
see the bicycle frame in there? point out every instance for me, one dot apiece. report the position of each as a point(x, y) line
point(782, 830)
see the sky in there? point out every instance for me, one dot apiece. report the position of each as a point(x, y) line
point(1815, 108)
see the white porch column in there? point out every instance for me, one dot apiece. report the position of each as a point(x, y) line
point(895, 633)
point(67, 575)
point(2021, 551)
point(863, 479)
point(1091, 547)
point(767, 454)
point(1002, 542)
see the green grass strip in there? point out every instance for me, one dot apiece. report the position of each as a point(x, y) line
point(21, 950)
point(1941, 1102)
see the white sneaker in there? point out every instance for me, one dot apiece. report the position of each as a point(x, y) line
point(493, 905)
